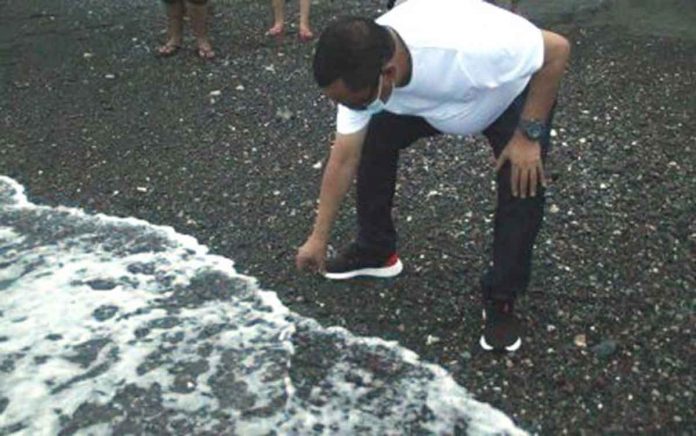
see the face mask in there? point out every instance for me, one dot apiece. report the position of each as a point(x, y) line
point(377, 105)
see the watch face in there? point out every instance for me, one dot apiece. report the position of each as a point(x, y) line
point(532, 129)
point(535, 131)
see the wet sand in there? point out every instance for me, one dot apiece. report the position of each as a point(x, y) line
point(91, 118)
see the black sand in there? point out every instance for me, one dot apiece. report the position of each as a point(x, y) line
point(91, 118)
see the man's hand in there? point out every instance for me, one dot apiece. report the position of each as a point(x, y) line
point(311, 256)
point(526, 167)
point(523, 153)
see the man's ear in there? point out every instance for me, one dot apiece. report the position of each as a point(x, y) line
point(389, 71)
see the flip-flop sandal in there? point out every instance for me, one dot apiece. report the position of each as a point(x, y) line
point(305, 36)
point(275, 33)
point(205, 54)
point(168, 50)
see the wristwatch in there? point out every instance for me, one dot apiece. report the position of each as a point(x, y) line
point(532, 129)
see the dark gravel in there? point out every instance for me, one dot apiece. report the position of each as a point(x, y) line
point(91, 118)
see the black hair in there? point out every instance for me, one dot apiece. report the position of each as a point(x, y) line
point(353, 49)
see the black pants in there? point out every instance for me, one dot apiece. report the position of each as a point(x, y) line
point(517, 221)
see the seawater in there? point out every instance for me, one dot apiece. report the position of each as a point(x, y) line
point(112, 326)
point(659, 18)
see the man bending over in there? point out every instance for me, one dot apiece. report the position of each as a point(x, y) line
point(426, 68)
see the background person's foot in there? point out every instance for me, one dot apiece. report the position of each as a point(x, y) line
point(170, 48)
point(276, 30)
point(205, 50)
point(305, 34)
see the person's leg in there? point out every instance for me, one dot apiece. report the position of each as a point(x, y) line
point(305, 32)
point(517, 220)
point(517, 223)
point(198, 12)
point(376, 180)
point(175, 22)
point(373, 253)
point(278, 18)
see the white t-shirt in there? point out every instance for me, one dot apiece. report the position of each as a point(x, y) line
point(470, 60)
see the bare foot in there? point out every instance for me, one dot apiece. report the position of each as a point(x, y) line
point(305, 34)
point(205, 50)
point(276, 30)
point(170, 48)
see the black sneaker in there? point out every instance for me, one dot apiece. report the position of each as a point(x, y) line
point(501, 332)
point(356, 261)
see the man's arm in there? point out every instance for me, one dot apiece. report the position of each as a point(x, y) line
point(338, 177)
point(544, 84)
point(524, 154)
